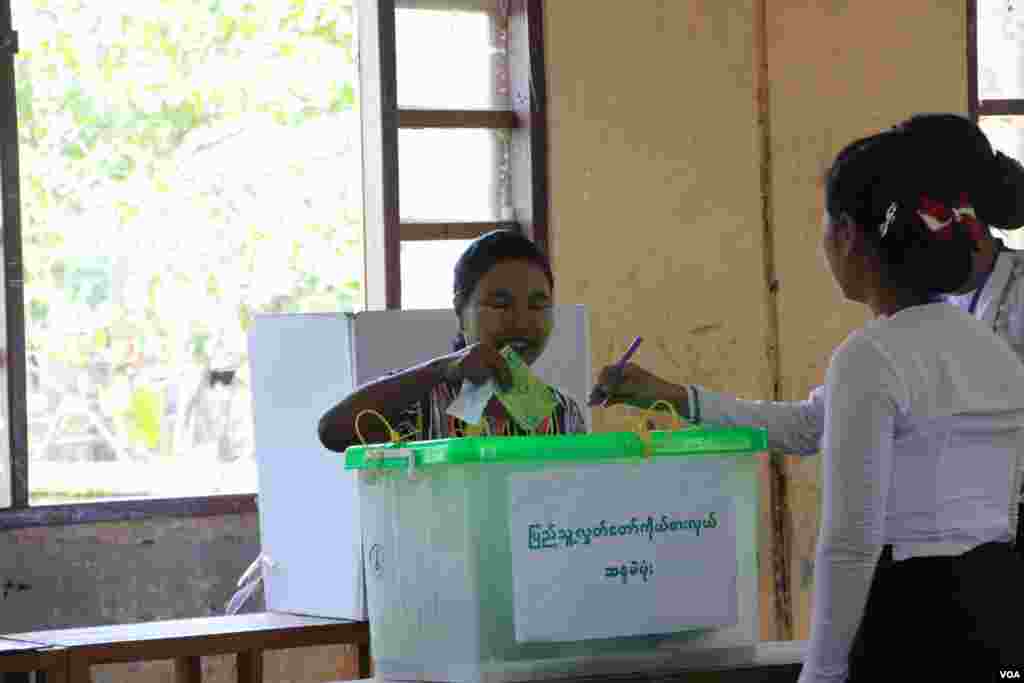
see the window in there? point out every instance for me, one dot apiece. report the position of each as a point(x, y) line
point(182, 167)
point(455, 140)
point(996, 79)
point(178, 167)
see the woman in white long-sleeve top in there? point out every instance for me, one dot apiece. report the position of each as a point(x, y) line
point(919, 424)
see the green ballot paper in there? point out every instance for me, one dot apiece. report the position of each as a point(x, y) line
point(528, 400)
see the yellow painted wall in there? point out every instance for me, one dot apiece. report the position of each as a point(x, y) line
point(656, 189)
point(656, 218)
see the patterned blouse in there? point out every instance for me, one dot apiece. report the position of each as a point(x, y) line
point(426, 419)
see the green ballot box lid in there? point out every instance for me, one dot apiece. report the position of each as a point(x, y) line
point(692, 441)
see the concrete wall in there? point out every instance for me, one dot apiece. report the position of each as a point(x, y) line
point(95, 574)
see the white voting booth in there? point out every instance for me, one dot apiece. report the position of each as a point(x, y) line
point(301, 365)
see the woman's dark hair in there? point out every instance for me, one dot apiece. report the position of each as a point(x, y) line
point(483, 254)
point(993, 181)
point(883, 179)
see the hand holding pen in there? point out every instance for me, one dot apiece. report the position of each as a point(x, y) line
point(627, 383)
point(606, 384)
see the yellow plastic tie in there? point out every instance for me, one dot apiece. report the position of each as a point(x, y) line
point(406, 437)
point(645, 438)
point(393, 436)
point(671, 409)
point(643, 428)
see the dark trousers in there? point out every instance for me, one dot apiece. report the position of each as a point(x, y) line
point(959, 617)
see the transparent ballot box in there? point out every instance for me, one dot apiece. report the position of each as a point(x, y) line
point(518, 558)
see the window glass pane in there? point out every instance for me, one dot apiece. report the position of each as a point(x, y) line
point(452, 54)
point(428, 269)
point(454, 174)
point(1006, 133)
point(184, 166)
point(1000, 50)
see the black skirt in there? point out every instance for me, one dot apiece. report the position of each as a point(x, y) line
point(959, 617)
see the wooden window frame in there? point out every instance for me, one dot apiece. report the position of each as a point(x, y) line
point(14, 300)
point(972, 59)
point(381, 121)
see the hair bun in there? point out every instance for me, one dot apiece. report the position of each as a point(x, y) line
point(1001, 200)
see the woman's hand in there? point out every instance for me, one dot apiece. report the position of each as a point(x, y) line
point(478, 363)
point(636, 387)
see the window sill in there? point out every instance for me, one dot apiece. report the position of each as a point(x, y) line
point(126, 510)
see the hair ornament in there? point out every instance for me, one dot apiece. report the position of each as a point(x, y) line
point(939, 218)
point(966, 216)
point(890, 216)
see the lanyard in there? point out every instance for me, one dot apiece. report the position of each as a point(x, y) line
point(977, 293)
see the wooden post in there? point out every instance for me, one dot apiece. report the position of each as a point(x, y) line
point(188, 670)
point(250, 666)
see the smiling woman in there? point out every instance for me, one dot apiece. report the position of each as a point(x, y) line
point(503, 296)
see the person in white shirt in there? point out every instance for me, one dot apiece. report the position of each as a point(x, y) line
point(994, 294)
point(919, 424)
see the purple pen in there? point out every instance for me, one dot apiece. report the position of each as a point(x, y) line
point(620, 366)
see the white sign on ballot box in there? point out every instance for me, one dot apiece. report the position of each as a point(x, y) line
point(619, 550)
point(301, 365)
